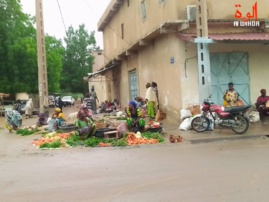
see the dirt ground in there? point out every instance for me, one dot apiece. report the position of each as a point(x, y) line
point(217, 171)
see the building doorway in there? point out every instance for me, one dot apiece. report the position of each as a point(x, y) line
point(133, 84)
point(229, 67)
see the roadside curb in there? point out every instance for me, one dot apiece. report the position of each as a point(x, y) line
point(229, 138)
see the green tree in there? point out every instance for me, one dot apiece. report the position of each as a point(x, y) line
point(78, 59)
point(55, 53)
point(18, 52)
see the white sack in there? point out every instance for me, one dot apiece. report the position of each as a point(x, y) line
point(185, 113)
point(186, 124)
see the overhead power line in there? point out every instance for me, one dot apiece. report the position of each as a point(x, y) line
point(61, 15)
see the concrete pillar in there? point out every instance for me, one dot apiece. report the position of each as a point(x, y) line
point(41, 58)
point(204, 73)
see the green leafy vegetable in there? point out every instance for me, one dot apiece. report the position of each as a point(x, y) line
point(119, 143)
point(55, 144)
point(74, 140)
point(92, 142)
point(152, 135)
point(24, 132)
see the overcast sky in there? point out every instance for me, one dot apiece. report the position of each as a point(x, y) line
point(75, 12)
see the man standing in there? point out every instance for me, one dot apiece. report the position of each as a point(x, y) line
point(151, 99)
point(261, 105)
point(29, 108)
point(93, 97)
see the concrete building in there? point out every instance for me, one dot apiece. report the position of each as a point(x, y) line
point(156, 40)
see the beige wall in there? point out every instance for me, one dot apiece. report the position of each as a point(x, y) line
point(135, 28)
point(153, 64)
point(100, 82)
point(178, 82)
point(99, 60)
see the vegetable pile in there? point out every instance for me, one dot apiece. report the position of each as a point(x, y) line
point(133, 140)
point(72, 139)
point(52, 140)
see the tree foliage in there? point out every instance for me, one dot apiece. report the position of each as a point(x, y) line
point(18, 52)
point(66, 66)
point(78, 59)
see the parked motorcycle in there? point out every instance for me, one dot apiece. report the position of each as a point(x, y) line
point(232, 117)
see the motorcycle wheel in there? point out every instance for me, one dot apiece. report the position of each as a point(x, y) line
point(241, 124)
point(200, 123)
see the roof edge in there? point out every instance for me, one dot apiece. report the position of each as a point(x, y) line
point(110, 11)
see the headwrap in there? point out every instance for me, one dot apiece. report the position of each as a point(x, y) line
point(263, 91)
point(58, 109)
point(83, 106)
point(41, 114)
point(133, 104)
point(84, 111)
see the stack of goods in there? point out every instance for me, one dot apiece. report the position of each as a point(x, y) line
point(154, 126)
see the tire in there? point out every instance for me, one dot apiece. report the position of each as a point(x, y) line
point(241, 124)
point(200, 123)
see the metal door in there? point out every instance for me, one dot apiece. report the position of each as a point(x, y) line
point(229, 67)
point(133, 85)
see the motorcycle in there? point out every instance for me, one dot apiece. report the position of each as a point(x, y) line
point(232, 117)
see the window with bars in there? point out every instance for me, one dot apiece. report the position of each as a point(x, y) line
point(143, 10)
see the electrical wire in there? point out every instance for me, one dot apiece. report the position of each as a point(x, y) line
point(61, 15)
point(113, 30)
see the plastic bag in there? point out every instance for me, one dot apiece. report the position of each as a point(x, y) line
point(254, 116)
point(122, 129)
point(186, 124)
point(195, 109)
point(185, 113)
point(160, 115)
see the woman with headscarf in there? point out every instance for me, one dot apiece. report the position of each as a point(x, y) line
point(57, 120)
point(84, 110)
point(13, 119)
point(18, 106)
point(85, 123)
point(29, 108)
point(42, 120)
point(151, 99)
point(261, 105)
point(134, 119)
point(93, 97)
point(155, 88)
point(230, 97)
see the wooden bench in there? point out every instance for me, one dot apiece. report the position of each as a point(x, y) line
point(106, 134)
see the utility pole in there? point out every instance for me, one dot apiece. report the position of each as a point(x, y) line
point(202, 41)
point(41, 58)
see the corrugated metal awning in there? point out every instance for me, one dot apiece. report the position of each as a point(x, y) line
point(103, 70)
point(229, 37)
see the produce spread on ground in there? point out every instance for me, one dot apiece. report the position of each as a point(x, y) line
point(61, 139)
point(57, 140)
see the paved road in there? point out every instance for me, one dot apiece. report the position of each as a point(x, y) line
point(220, 171)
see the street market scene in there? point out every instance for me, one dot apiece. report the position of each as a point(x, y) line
point(169, 104)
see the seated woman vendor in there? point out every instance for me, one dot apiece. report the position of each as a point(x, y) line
point(134, 120)
point(85, 124)
point(42, 120)
point(57, 120)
